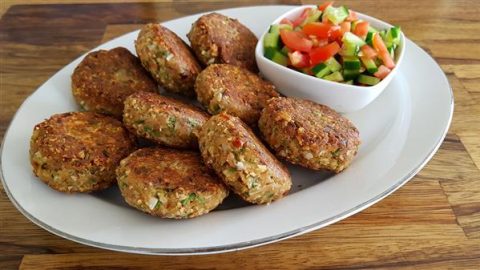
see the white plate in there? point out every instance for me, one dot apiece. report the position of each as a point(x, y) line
point(400, 131)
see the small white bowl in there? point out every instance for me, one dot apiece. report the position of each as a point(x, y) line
point(340, 97)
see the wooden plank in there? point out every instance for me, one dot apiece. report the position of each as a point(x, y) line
point(116, 30)
point(464, 71)
point(318, 255)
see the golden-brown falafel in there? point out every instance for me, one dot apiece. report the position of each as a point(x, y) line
point(167, 58)
point(164, 120)
point(234, 90)
point(309, 134)
point(216, 38)
point(239, 158)
point(102, 81)
point(169, 183)
point(79, 151)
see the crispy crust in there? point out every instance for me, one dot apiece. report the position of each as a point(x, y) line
point(103, 80)
point(167, 58)
point(216, 38)
point(309, 134)
point(161, 182)
point(163, 120)
point(235, 90)
point(79, 151)
point(229, 147)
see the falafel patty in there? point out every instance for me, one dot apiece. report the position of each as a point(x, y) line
point(167, 58)
point(309, 134)
point(235, 90)
point(229, 147)
point(169, 183)
point(216, 38)
point(102, 81)
point(79, 151)
point(164, 120)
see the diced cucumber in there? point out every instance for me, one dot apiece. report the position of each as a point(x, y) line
point(349, 82)
point(350, 74)
point(392, 37)
point(383, 34)
point(369, 38)
point(321, 70)
point(333, 64)
point(280, 59)
point(351, 39)
point(368, 80)
point(276, 56)
point(284, 50)
point(391, 51)
point(313, 17)
point(351, 63)
point(269, 52)
point(336, 15)
point(284, 26)
point(395, 32)
point(369, 64)
point(349, 49)
point(335, 77)
point(271, 40)
point(274, 29)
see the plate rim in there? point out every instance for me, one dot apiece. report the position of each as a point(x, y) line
point(239, 245)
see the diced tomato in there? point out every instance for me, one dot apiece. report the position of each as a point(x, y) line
point(320, 54)
point(378, 43)
point(387, 59)
point(336, 34)
point(361, 29)
point(286, 21)
point(323, 6)
point(298, 59)
point(320, 30)
point(237, 143)
point(352, 16)
point(295, 41)
point(383, 54)
point(299, 20)
point(368, 51)
point(345, 27)
point(382, 72)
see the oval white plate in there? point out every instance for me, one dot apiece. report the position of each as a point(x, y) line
point(401, 130)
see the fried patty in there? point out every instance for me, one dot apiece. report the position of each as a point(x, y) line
point(164, 120)
point(167, 58)
point(243, 163)
point(79, 151)
point(169, 183)
point(235, 90)
point(216, 38)
point(309, 134)
point(102, 81)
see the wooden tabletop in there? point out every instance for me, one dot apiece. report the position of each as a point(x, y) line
point(433, 222)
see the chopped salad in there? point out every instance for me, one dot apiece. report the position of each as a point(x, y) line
point(331, 43)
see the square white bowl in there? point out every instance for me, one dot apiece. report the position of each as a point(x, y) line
point(341, 97)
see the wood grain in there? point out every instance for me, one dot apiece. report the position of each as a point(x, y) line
point(433, 222)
